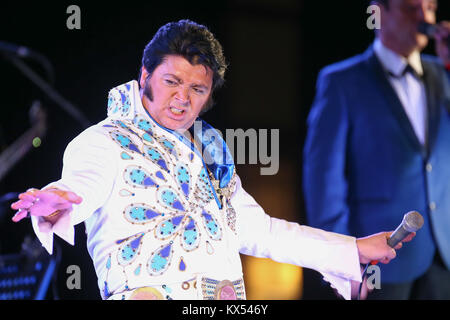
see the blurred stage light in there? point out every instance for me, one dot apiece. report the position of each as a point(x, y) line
point(269, 280)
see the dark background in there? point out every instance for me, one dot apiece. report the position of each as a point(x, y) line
point(274, 50)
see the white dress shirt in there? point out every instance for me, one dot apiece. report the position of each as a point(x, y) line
point(409, 89)
point(124, 244)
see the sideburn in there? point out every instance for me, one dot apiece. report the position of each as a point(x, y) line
point(148, 92)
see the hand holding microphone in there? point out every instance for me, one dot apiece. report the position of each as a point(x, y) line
point(381, 247)
point(441, 33)
point(412, 221)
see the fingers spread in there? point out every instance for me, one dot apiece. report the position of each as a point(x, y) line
point(20, 215)
point(37, 202)
point(26, 196)
point(21, 204)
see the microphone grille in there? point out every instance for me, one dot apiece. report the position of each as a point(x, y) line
point(413, 221)
point(427, 29)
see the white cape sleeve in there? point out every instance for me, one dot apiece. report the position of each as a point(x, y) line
point(334, 255)
point(89, 170)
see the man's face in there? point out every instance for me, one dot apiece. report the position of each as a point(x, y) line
point(399, 22)
point(179, 91)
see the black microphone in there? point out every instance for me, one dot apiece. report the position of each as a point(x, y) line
point(430, 30)
point(412, 221)
point(21, 51)
point(427, 29)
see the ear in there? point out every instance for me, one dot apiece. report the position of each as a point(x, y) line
point(144, 75)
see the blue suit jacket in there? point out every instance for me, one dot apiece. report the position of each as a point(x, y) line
point(364, 167)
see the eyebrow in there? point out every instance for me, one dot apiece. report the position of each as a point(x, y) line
point(180, 81)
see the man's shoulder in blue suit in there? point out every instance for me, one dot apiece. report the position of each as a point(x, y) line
point(348, 65)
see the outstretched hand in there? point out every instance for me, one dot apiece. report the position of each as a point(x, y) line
point(35, 202)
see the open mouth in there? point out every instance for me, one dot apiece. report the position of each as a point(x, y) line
point(176, 111)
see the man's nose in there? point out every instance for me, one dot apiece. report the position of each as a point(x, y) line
point(182, 95)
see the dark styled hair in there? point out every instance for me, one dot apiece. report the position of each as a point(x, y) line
point(192, 41)
point(385, 3)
